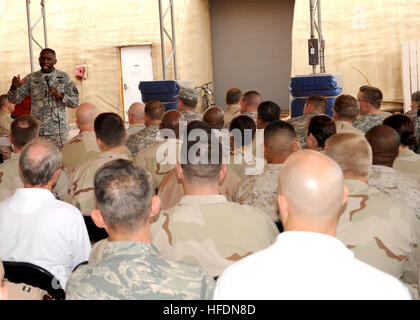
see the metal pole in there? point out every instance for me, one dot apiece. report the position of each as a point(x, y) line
point(162, 40)
point(44, 18)
point(28, 14)
point(312, 9)
point(173, 40)
point(321, 41)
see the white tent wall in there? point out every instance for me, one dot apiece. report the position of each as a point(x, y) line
point(91, 31)
point(363, 42)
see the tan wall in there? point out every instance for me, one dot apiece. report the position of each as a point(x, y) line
point(360, 35)
point(88, 32)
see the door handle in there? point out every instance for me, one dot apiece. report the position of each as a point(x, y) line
point(125, 86)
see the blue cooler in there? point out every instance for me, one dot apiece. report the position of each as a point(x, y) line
point(302, 87)
point(165, 91)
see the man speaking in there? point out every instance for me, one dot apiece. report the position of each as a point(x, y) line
point(51, 91)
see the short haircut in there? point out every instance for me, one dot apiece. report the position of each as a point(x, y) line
point(38, 166)
point(3, 100)
point(346, 107)
point(269, 111)
point(321, 127)
point(233, 96)
point(239, 125)
point(318, 102)
point(154, 110)
point(279, 137)
point(351, 151)
point(48, 50)
point(405, 128)
point(123, 194)
point(110, 129)
point(23, 130)
point(415, 96)
point(251, 97)
point(372, 95)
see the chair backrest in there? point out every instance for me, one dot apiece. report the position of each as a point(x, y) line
point(36, 276)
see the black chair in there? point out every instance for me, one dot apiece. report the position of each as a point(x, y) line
point(95, 234)
point(33, 275)
point(80, 264)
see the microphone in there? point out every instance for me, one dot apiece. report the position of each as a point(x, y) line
point(48, 80)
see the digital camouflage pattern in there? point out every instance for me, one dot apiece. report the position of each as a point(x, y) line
point(367, 121)
point(398, 185)
point(80, 188)
point(211, 232)
point(191, 115)
point(81, 148)
point(300, 124)
point(231, 112)
point(142, 139)
point(408, 161)
point(5, 124)
point(10, 180)
point(261, 190)
point(135, 271)
point(134, 128)
point(50, 111)
point(412, 114)
point(381, 232)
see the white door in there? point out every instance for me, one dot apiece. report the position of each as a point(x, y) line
point(136, 66)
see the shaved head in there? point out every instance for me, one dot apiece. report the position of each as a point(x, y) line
point(86, 114)
point(313, 187)
point(385, 143)
point(214, 117)
point(136, 112)
point(171, 120)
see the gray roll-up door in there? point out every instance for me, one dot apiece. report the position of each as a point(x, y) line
point(252, 47)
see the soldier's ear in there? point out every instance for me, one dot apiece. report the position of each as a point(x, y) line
point(97, 218)
point(345, 195)
point(295, 146)
point(156, 203)
point(3, 293)
point(283, 209)
point(179, 172)
point(222, 173)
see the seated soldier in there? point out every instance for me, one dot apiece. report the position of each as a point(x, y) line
point(320, 128)
point(128, 266)
point(346, 109)
point(204, 228)
point(268, 111)
point(136, 118)
point(414, 115)
point(249, 104)
point(233, 107)
point(6, 108)
point(187, 104)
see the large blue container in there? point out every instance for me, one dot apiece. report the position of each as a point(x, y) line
point(302, 87)
point(165, 91)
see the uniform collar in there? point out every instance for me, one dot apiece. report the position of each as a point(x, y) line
point(122, 248)
point(203, 199)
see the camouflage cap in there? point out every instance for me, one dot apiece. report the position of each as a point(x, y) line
point(189, 96)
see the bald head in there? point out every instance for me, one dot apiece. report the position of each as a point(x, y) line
point(385, 143)
point(313, 188)
point(214, 117)
point(86, 114)
point(136, 113)
point(171, 121)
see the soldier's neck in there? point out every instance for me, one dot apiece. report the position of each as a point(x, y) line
point(142, 235)
point(119, 149)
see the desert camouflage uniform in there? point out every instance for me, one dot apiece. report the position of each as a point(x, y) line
point(408, 161)
point(367, 121)
point(245, 166)
point(134, 128)
point(5, 146)
point(231, 112)
point(136, 271)
point(50, 111)
point(79, 149)
point(80, 188)
point(381, 232)
point(157, 161)
point(191, 115)
point(171, 190)
point(398, 185)
point(10, 179)
point(300, 124)
point(261, 191)
point(346, 127)
point(211, 232)
point(142, 139)
point(252, 115)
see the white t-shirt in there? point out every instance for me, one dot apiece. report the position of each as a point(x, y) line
point(306, 265)
point(37, 228)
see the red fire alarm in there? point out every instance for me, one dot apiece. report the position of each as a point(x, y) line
point(81, 72)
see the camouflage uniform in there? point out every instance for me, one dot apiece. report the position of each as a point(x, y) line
point(231, 112)
point(211, 232)
point(252, 115)
point(300, 124)
point(5, 123)
point(399, 185)
point(244, 167)
point(10, 179)
point(412, 114)
point(191, 115)
point(50, 111)
point(135, 271)
point(367, 121)
point(171, 190)
point(80, 188)
point(134, 128)
point(381, 232)
point(408, 161)
point(261, 190)
point(148, 159)
point(142, 139)
point(346, 127)
point(79, 149)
